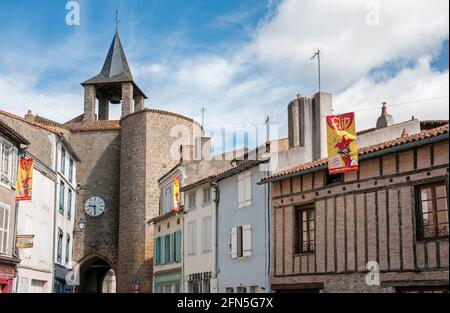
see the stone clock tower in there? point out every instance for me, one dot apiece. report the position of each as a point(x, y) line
point(121, 162)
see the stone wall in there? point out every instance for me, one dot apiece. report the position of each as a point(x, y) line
point(98, 175)
point(146, 144)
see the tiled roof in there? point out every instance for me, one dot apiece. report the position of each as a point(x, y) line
point(12, 134)
point(93, 126)
point(42, 126)
point(242, 165)
point(374, 148)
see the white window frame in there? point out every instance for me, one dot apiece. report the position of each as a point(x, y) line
point(241, 247)
point(5, 227)
point(13, 160)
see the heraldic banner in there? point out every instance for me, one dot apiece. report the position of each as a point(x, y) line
point(176, 193)
point(341, 139)
point(24, 180)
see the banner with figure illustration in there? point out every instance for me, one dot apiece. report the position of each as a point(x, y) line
point(342, 149)
point(176, 193)
point(24, 183)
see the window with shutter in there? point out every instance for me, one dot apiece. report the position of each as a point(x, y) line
point(248, 189)
point(167, 252)
point(15, 166)
point(247, 240)
point(157, 251)
point(178, 246)
point(241, 191)
point(192, 237)
point(233, 242)
point(4, 223)
point(162, 250)
point(206, 234)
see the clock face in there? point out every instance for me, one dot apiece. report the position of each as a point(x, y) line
point(95, 206)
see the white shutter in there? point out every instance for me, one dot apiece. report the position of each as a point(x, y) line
point(241, 190)
point(233, 239)
point(15, 164)
point(248, 189)
point(247, 240)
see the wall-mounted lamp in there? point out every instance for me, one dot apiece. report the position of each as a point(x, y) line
point(81, 225)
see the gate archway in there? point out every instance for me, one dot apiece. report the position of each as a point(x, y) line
point(97, 276)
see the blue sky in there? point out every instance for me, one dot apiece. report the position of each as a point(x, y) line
point(240, 59)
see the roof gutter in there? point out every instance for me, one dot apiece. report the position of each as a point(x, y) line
point(363, 157)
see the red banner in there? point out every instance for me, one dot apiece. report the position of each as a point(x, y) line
point(24, 184)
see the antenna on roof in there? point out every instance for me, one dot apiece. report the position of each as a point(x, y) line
point(203, 119)
point(317, 54)
point(267, 122)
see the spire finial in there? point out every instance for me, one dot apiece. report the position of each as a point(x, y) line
point(117, 21)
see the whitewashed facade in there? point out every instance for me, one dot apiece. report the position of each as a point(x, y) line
point(199, 240)
point(36, 217)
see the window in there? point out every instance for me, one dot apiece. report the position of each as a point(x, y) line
point(241, 241)
point(333, 179)
point(206, 234)
point(192, 198)
point(8, 163)
point(61, 197)
point(63, 160)
point(254, 289)
point(241, 289)
point(4, 226)
point(71, 170)
point(191, 238)
point(67, 248)
point(245, 189)
point(177, 247)
point(229, 290)
point(432, 211)
point(305, 227)
point(206, 195)
point(69, 204)
point(59, 248)
point(166, 199)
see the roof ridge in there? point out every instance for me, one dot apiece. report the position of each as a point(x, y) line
point(361, 151)
point(36, 124)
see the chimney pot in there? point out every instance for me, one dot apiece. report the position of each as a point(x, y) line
point(299, 95)
point(404, 133)
point(384, 109)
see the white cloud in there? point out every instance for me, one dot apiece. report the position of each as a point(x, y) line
point(408, 86)
point(249, 80)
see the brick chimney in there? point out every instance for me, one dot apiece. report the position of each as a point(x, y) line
point(29, 115)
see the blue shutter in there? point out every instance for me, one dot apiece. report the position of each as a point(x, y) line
point(162, 250)
point(157, 253)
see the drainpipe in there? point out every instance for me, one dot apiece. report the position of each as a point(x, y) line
point(54, 212)
point(15, 253)
point(215, 186)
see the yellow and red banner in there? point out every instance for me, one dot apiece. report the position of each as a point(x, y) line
point(24, 183)
point(176, 193)
point(342, 148)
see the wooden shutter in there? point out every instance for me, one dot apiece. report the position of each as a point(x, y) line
point(248, 188)
point(178, 246)
point(15, 163)
point(162, 251)
point(233, 242)
point(247, 240)
point(241, 190)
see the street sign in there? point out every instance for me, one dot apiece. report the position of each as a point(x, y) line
point(24, 241)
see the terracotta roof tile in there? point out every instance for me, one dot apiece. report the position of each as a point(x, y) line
point(42, 126)
point(12, 134)
point(93, 126)
point(381, 146)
